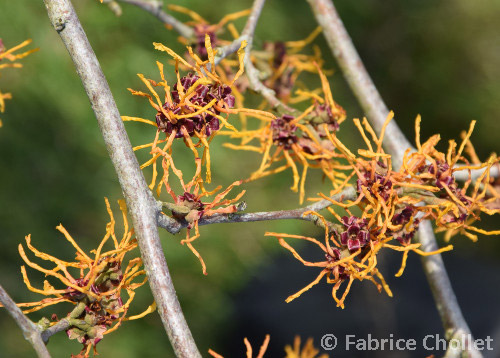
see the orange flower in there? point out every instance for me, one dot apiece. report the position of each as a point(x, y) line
point(197, 106)
point(393, 203)
point(423, 188)
point(453, 206)
point(97, 289)
point(299, 139)
point(350, 251)
point(189, 207)
point(202, 28)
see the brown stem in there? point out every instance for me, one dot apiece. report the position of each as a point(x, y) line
point(139, 199)
point(395, 143)
point(30, 329)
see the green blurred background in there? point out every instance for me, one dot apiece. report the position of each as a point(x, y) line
point(437, 59)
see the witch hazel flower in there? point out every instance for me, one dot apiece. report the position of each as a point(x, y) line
point(290, 140)
point(283, 131)
point(376, 184)
point(195, 109)
point(454, 206)
point(356, 234)
point(191, 206)
point(281, 63)
point(404, 225)
point(100, 285)
point(203, 95)
point(350, 253)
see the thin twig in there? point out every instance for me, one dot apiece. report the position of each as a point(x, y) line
point(155, 8)
point(246, 35)
point(395, 143)
point(253, 18)
point(30, 330)
point(174, 226)
point(225, 51)
point(60, 326)
point(138, 197)
point(252, 73)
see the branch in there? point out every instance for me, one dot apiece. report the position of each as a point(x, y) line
point(454, 323)
point(139, 199)
point(224, 51)
point(155, 8)
point(395, 143)
point(173, 226)
point(246, 35)
point(358, 78)
point(60, 326)
point(253, 18)
point(251, 71)
point(30, 330)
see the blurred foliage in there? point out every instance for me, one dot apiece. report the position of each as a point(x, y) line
point(437, 59)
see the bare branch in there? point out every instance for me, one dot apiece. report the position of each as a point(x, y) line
point(358, 78)
point(139, 199)
point(60, 326)
point(224, 51)
point(155, 8)
point(252, 73)
point(446, 302)
point(173, 226)
point(253, 18)
point(395, 143)
point(246, 35)
point(30, 330)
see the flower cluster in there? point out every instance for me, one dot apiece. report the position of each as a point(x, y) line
point(192, 108)
point(197, 107)
point(12, 57)
point(96, 291)
point(390, 203)
point(296, 139)
point(393, 204)
point(350, 252)
point(452, 205)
